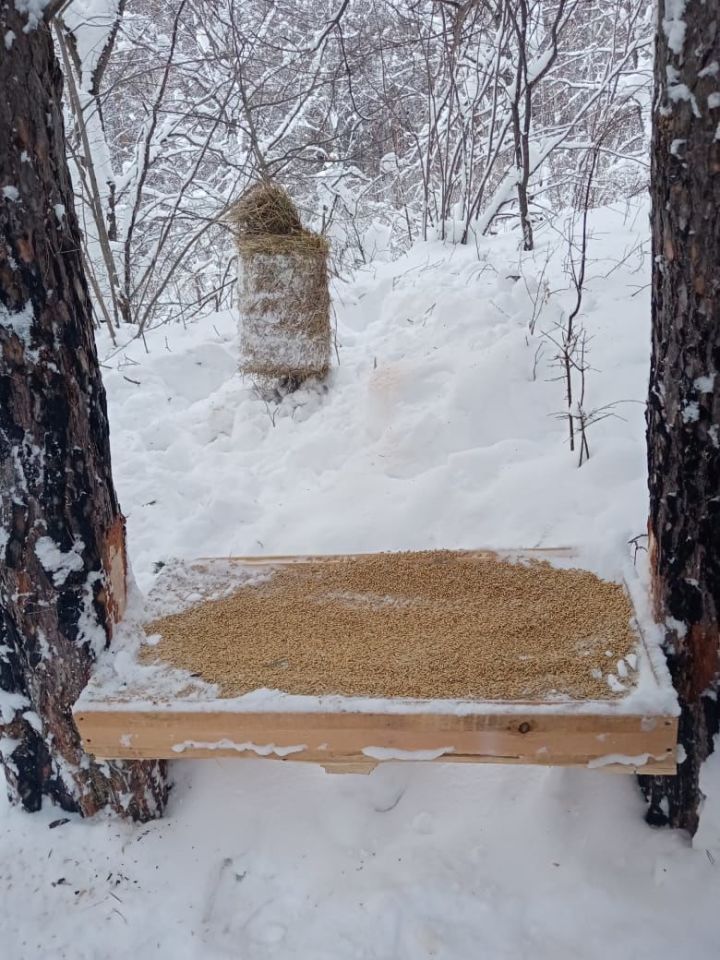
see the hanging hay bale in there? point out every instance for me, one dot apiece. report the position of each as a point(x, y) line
point(285, 333)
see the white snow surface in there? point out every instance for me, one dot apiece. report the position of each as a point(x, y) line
point(433, 432)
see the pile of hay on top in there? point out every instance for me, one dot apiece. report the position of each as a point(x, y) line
point(285, 332)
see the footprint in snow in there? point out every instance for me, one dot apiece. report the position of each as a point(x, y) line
point(243, 904)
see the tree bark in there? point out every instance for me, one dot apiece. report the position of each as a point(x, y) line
point(521, 125)
point(62, 536)
point(683, 416)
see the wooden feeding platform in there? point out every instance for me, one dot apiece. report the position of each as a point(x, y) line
point(349, 661)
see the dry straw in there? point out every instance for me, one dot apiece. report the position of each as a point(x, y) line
point(285, 333)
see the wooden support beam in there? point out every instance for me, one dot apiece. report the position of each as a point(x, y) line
point(358, 741)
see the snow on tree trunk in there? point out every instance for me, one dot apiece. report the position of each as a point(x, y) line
point(62, 536)
point(684, 399)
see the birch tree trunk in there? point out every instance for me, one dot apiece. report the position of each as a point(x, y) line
point(683, 416)
point(62, 536)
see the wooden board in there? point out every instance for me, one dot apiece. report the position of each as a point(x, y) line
point(142, 724)
point(535, 737)
point(273, 560)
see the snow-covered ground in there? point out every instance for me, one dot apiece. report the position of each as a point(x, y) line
point(436, 430)
point(433, 432)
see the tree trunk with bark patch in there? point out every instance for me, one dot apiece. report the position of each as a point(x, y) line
point(683, 415)
point(62, 535)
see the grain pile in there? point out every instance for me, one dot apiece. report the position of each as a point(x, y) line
point(431, 624)
point(284, 301)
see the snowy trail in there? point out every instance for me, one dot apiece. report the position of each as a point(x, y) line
point(259, 859)
point(434, 433)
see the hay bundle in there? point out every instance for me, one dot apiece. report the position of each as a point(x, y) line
point(285, 332)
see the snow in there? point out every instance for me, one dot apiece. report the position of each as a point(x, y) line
point(638, 761)
point(19, 321)
point(8, 745)
point(691, 412)
point(704, 384)
point(89, 629)
point(646, 698)
point(536, 66)
point(388, 753)
point(58, 562)
point(91, 22)
point(33, 10)
point(678, 92)
point(677, 147)
point(10, 703)
point(34, 720)
point(436, 431)
point(674, 25)
point(434, 395)
point(261, 749)
point(262, 859)
point(711, 70)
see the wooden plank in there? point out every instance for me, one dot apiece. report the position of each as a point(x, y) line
point(272, 560)
point(349, 766)
point(547, 738)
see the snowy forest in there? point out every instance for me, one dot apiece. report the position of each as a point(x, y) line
point(359, 471)
point(388, 123)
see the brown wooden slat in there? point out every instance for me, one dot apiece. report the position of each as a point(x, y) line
point(568, 739)
point(270, 560)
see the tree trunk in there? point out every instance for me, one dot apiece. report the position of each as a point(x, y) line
point(62, 536)
point(522, 125)
point(683, 415)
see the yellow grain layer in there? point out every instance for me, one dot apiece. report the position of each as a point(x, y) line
point(428, 624)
